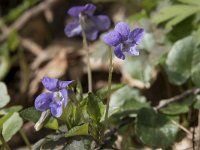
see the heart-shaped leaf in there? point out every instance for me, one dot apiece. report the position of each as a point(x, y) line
point(155, 129)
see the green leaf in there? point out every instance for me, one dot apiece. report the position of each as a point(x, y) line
point(179, 61)
point(4, 97)
point(52, 124)
point(15, 108)
point(155, 129)
point(95, 107)
point(177, 108)
point(197, 102)
point(126, 100)
point(143, 68)
point(11, 126)
point(174, 14)
point(130, 107)
point(33, 115)
point(148, 4)
point(30, 114)
point(5, 62)
point(13, 40)
point(183, 62)
point(103, 92)
point(192, 2)
point(71, 115)
point(4, 118)
point(138, 70)
point(78, 130)
point(16, 12)
point(196, 67)
point(79, 91)
point(52, 141)
point(82, 144)
point(58, 141)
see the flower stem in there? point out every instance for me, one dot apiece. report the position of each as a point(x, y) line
point(5, 144)
point(76, 102)
point(82, 22)
point(24, 137)
point(109, 83)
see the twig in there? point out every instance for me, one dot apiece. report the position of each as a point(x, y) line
point(198, 142)
point(5, 144)
point(32, 46)
point(24, 137)
point(27, 16)
point(193, 138)
point(165, 102)
point(182, 128)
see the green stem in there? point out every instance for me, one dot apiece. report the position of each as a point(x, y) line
point(109, 83)
point(82, 22)
point(80, 111)
point(5, 144)
point(73, 99)
point(24, 137)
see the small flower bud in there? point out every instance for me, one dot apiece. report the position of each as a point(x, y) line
point(44, 118)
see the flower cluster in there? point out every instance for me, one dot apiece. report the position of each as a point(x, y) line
point(92, 24)
point(55, 100)
point(124, 40)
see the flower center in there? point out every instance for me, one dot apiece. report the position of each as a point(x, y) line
point(88, 22)
point(58, 97)
point(126, 45)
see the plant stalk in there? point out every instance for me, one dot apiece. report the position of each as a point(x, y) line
point(109, 83)
point(85, 43)
point(74, 100)
point(5, 144)
point(24, 137)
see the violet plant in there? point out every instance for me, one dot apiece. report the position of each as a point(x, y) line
point(11, 122)
point(88, 25)
point(85, 116)
point(95, 120)
point(85, 20)
point(124, 41)
point(56, 100)
point(59, 101)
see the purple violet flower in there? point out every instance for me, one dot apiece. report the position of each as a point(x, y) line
point(55, 100)
point(92, 24)
point(124, 40)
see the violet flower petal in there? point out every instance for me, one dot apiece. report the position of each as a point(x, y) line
point(123, 29)
point(112, 38)
point(92, 35)
point(56, 109)
point(87, 9)
point(136, 35)
point(43, 101)
point(64, 84)
point(102, 22)
point(118, 52)
point(73, 29)
point(50, 83)
point(133, 51)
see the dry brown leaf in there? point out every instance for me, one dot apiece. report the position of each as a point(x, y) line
point(55, 68)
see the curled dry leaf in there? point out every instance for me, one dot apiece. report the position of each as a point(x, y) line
point(54, 68)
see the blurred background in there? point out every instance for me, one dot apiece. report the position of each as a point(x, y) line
point(33, 44)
